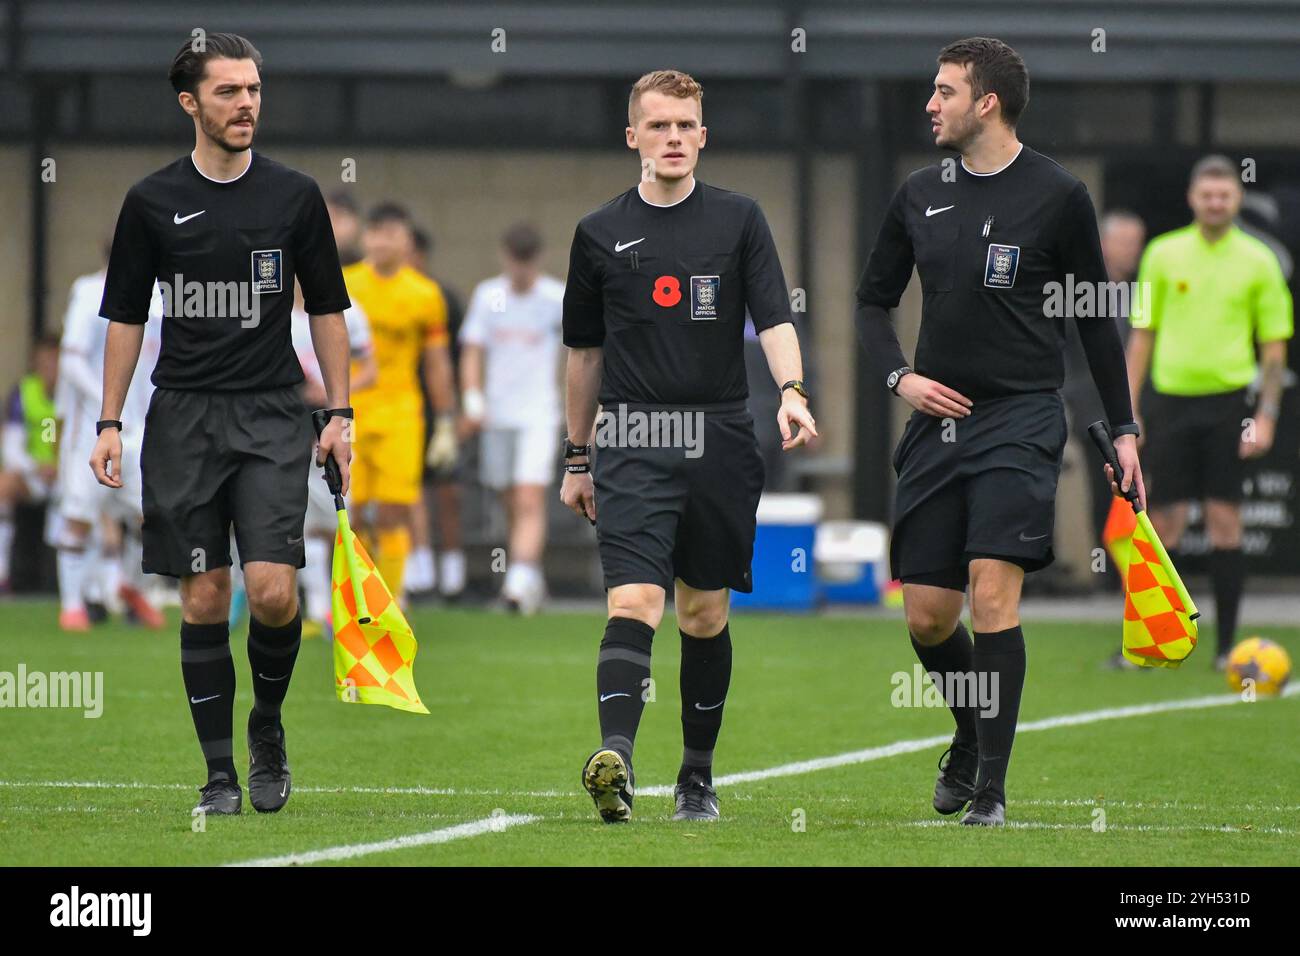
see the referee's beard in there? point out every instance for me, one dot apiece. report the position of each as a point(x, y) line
point(219, 132)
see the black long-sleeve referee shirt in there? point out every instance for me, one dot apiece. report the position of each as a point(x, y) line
point(987, 247)
point(664, 291)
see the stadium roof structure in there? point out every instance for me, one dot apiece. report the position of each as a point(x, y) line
point(1169, 40)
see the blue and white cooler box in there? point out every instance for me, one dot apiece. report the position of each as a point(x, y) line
point(852, 561)
point(784, 569)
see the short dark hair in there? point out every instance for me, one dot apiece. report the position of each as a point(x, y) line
point(190, 64)
point(522, 242)
point(994, 68)
point(422, 240)
point(1216, 166)
point(389, 211)
point(341, 199)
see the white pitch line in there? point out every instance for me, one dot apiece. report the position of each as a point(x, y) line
point(1134, 827)
point(784, 770)
point(493, 824)
point(925, 743)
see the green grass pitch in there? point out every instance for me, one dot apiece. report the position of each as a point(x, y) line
point(514, 717)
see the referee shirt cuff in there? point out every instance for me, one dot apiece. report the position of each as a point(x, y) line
point(1129, 428)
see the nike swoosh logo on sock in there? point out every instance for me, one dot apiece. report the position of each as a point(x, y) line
point(605, 697)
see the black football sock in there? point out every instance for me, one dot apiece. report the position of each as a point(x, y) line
point(953, 656)
point(209, 675)
point(999, 660)
point(622, 673)
point(1228, 570)
point(705, 677)
point(271, 652)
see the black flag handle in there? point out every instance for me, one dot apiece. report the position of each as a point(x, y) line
point(319, 419)
point(1106, 445)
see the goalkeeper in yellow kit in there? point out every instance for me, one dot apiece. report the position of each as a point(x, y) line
point(408, 322)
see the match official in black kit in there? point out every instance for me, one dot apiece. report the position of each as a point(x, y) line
point(991, 235)
point(660, 281)
point(227, 440)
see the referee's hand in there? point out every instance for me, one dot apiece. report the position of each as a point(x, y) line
point(1126, 450)
point(106, 459)
point(334, 441)
point(794, 412)
point(933, 398)
point(578, 492)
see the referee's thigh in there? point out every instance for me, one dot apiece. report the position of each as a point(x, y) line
point(268, 491)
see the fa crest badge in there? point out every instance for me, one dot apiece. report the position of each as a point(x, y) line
point(267, 271)
point(704, 297)
point(1000, 266)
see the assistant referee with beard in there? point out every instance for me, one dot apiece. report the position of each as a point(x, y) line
point(979, 459)
point(660, 280)
point(227, 439)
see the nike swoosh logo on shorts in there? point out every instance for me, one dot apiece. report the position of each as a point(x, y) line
point(934, 212)
point(178, 218)
point(199, 700)
point(605, 697)
point(620, 246)
point(1034, 538)
point(285, 788)
point(714, 707)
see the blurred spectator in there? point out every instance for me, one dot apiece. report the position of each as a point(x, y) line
point(28, 463)
point(443, 484)
point(510, 367)
point(345, 218)
point(1123, 235)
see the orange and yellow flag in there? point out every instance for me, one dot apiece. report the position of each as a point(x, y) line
point(1159, 616)
point(374, 648)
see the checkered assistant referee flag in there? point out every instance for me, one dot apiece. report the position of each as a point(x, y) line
point(1159, 615)
point(374, 648)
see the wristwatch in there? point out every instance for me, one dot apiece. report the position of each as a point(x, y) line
point(797, 385)
point(107, 423)
point(575, 451)
point(896, 376)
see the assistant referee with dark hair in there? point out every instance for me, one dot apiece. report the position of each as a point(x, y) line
point(979, 459)
point(660, 280)
point(227, 440)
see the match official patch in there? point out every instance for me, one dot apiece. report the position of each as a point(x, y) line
point(704, 296)
point(1000, 267)
point(267, 271)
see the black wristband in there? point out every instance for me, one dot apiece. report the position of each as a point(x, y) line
point(577, 467)
point(1130, 429)
point(107, 423)
point(797, 385)
point(339, 412)
point(575, 451)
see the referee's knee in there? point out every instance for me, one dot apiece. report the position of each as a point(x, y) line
point(273, 601)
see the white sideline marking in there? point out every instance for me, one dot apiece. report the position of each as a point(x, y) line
point(925, 743)
point(1135, 827)
point(494, 824)
point(498, 823)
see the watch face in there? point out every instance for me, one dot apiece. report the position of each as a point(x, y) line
point(893, 379)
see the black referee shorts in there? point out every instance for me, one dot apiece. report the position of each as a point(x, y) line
point(661, 514)
point(983, 486)
point(1191, 447)
point(211, 459)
